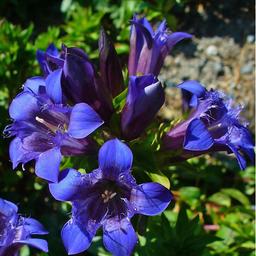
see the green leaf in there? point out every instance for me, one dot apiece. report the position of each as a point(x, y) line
point(220, 199)
point(182, 222)
point(236, 194)
point(24, 251)
point(159, 177)
point(190, 195)
point(248, 245)
point(119, 100)
point(65, 5)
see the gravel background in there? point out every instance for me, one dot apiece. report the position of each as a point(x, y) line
point(221, 55)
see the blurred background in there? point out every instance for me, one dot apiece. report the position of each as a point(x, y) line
point(213, 213)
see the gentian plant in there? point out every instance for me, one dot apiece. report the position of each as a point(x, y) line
point(213, 124)
point(108, 197)
point(73, 109)
point(17, 231)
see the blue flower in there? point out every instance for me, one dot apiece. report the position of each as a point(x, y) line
point(108, 197)
point(149, 48)
point(145, 98)
point(110, 68)
point(45, 128)
point(214, 124)
point(16, 231)
point(79, 80)
point(48, 59)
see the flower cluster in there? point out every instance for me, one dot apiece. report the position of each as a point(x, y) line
point(16, 231)
point(57, 114)
point(212, 125)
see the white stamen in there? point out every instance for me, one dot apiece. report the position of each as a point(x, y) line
point(108, 195)
point(40, 120)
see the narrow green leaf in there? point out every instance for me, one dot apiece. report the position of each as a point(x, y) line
point(236, 194)
point(119, 100)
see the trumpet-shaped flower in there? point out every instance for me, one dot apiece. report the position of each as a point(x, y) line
point(145, 98)
point(45, 128)
point(16, 231)
point(148, 48)
point(78, 79)
point(108, 197)
point(213, 125)
point(110, 68)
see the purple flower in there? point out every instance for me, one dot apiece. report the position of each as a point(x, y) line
point(145, 98)
point(108, 197)
point(45, 59)
point(79, 80)
point(213, 125)
point(16, 231)
point(110, 68)
point(149, 48)
point(45, 128)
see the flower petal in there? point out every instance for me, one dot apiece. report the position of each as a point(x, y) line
point(197, 137)
point(7, 208)
point(18, 154)
point(75, 240)
point(150, 198)
point(83, 121)
point(241, 138)
point(79, 76)
point(67, 189)
point(52, 50)
point(40, 56)
point(48, 163)
point(145, 98)
point(23, 106)
point(35, 242)
point(240, 159)
point(193, 87)
point(32, 84)
point(108, 62)
point(145, 29)
point(34, 227)
point(114, 158)
point(53, 86)
point(161, 27)
point(37, 142)
point(176, 37)
point(119, 237)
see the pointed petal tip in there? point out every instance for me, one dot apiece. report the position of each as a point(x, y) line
point(68, 186)
point(84, 120)
point(115, 157)
point(193, 86)
point(47, 165)
point(74, 239)
point(122, 239)
point(151, 198)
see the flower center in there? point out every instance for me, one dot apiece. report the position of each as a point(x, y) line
point(107, 195)
point(45, 123)
point(215, 127)
point(53, 128)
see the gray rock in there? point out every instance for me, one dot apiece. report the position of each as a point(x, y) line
point(247, 68)
point(211, 50)
point(218, 67)
point(250, 39)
